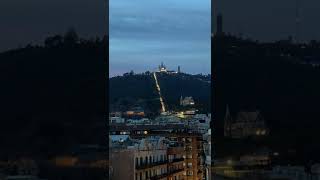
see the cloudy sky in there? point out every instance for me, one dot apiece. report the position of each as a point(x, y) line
point(270, 20)
point(143, 33)
point(30, 21)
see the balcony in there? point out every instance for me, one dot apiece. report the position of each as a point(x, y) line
point(175, 150)
point(166, 174)
point(175, 172)
point(150, 165)
point(177, 160)
point(159, 177)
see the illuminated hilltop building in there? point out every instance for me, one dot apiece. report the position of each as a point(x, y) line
point(163, 69)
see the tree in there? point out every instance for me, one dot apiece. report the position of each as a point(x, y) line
point(53, 41)
point(71, 37)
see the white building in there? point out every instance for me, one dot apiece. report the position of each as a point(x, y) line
point(200, 123)
point(187, 101)
point(144, 159)
point(116, 120)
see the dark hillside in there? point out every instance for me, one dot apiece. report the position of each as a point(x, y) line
point(52, 96)
point(275, 79)
point(129, 90)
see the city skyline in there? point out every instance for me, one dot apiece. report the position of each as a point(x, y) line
point(143, 34)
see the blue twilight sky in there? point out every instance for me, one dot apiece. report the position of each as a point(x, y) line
point(143, 33)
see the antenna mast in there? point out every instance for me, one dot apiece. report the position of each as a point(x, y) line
point(298, 21)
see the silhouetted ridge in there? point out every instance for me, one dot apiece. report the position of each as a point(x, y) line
point(52, 96)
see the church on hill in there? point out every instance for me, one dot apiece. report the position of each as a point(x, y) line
point(244, 124)
point(163, 69)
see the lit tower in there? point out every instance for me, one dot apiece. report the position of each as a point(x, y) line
point(162, 68)
point(298, 21)
point(227, 122)
point(219, 24)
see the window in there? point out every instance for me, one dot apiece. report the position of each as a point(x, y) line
point(146, 161)
point(150, 160)
point(140, 175)
point(137, 161)
point(147, 175)
point(141, 161)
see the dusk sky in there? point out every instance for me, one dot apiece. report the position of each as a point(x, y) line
point(270, 20)
point(144, 33)
point(31, 21)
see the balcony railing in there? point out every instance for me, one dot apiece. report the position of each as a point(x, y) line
point(166, 174)
point(175, 171)
point(150, 165)
point(177, 160)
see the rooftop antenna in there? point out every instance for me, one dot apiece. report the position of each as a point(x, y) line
point(298, 21)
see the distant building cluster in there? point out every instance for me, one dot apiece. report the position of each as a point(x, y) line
point(244, 124)
point(155, 157)
point(167, 147)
